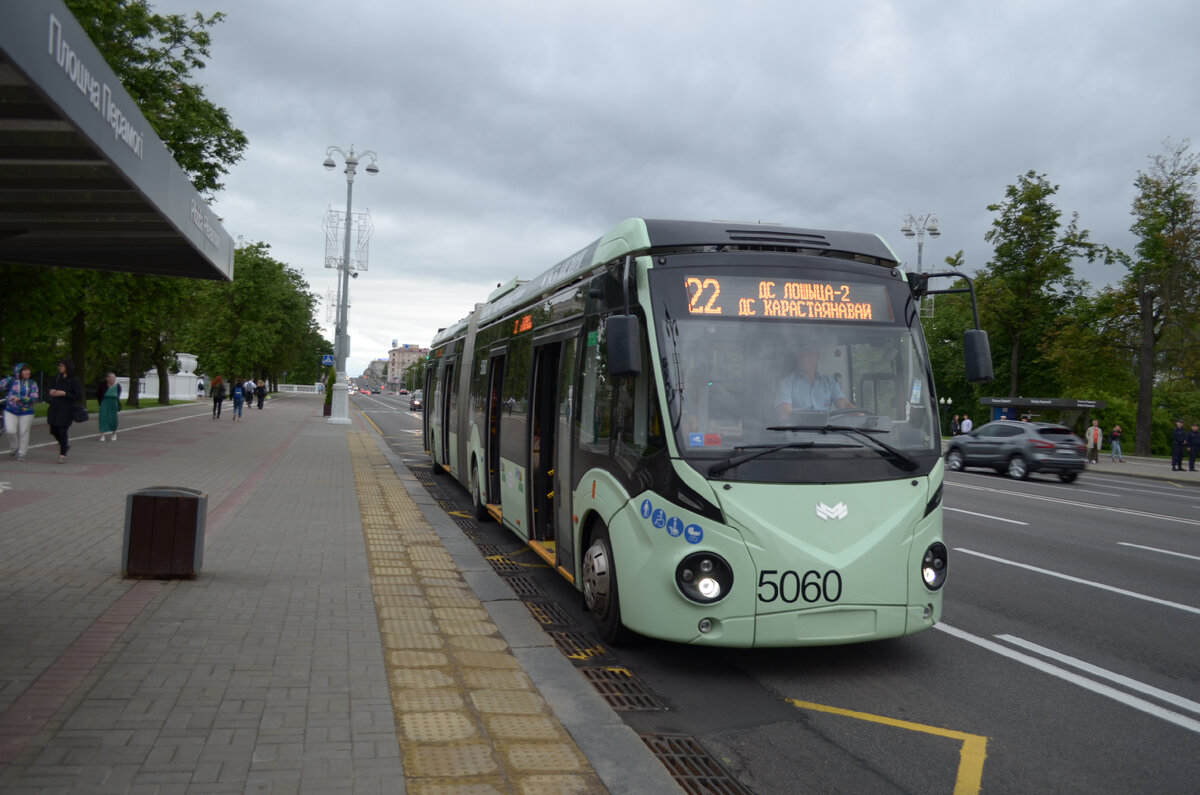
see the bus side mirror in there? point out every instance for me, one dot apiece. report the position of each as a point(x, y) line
point(624, 345)
point(978, 355)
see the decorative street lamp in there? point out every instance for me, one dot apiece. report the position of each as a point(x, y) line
point(340, 411)
point(917, 226)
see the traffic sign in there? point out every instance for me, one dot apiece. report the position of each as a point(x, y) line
point(327, 359)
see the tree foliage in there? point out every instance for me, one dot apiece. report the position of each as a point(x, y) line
point(155, 56)
point(1163, 282)
point(1029, 282)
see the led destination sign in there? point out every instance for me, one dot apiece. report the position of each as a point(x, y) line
point(750, 296)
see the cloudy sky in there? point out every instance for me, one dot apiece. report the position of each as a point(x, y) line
point(510, 134)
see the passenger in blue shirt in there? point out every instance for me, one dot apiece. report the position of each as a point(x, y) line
point(807, 389)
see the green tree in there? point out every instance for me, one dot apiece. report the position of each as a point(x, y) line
point(1163, 282)
point(1029, 281)
point(259, 325)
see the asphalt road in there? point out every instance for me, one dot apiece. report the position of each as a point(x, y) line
point(1068, 658)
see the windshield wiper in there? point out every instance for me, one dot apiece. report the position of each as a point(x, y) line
point(898, 457)
point(760, 450)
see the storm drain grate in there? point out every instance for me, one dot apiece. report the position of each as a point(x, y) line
point(524, 586)
point(550, 614)
point(578, 645)
point(469, 529)
point(692, 767)
point(621, 689)
point(487, 550)
point(448, 506)
point(502, 564)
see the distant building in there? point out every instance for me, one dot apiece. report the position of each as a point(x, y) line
point(377, 369)
point(400, 358)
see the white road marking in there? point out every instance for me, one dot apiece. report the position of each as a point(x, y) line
point(1088, 505)
point(1139, 704)
point(1102, 673)
point(1154, 549)
point(988, 516)
point(1080, 581)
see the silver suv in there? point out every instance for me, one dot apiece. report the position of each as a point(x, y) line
point(1018, 448)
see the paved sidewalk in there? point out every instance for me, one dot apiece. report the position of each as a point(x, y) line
point(343, 636)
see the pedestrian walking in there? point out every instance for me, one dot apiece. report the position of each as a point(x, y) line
point(22, 393)
point(65, 393)
point(955, 426)
point(1094, 437)
point(1193, 446)
point(1178, 445)
point(1115, 436)
point(110, 404)
point(218, 396)
point(967, 425)
point(239, 397)
point(199, 389)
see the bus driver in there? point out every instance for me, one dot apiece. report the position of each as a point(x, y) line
point(807, 389)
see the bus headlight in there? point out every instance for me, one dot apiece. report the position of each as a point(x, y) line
point(704, 577)
point(933, 566)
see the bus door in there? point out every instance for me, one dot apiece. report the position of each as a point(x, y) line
point(564, 536)
point(492, 437)
point(542, 448)
point(444, 405)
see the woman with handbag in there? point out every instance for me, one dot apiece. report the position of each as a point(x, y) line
point(110, 404)
point(65, 393)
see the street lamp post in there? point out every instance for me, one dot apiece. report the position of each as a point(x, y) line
point(340, 411)
point(917, 226)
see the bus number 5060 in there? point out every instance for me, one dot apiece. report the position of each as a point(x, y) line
point(792, 586)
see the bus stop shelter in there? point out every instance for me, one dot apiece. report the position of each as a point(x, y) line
point(1065, 410)
point(84, 180)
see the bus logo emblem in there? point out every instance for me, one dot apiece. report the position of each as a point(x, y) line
point(826, 513)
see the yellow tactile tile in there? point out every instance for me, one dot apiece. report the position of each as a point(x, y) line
point(510, 702)
point(419, 677)
point(477, 785)
point(439, 727)
point(491, 679)
point(523, 727)
point(448, 759)
point(416, 659)
point(560, 785)
point(407, 701)
point(455, 627)
point(542, 757)
point(477, 643)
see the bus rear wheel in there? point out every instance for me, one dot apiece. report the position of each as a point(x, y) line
point(477, 505)
point(600, 590)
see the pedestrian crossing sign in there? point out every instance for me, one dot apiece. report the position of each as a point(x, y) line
point(327, 360)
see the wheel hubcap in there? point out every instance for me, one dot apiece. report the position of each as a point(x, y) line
point(596, 579)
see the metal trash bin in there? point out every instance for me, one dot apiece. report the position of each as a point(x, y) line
point(164, 532)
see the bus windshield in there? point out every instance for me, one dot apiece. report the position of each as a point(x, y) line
point(758, 398)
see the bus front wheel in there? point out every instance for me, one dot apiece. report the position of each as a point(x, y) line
point(600, 590)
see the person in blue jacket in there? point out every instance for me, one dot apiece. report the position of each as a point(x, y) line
point(1193, 446)
point(1178, 443)
point(18, 410)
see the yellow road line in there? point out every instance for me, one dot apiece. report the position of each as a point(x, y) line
point(971, 756)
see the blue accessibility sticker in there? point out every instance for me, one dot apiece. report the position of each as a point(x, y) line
point(647, 509)
point(660, 518)
point(675, 527)
point(693, 533)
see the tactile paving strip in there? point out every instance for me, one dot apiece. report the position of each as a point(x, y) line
point(693, 767)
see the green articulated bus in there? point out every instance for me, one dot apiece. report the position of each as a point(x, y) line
point(720, 433)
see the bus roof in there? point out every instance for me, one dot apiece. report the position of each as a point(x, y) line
point(641, 236)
